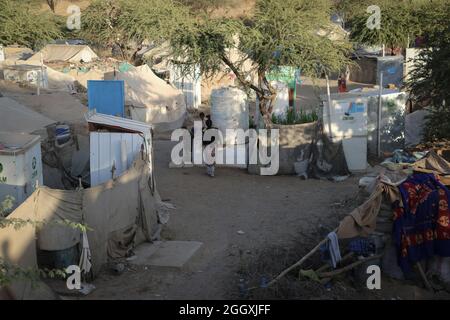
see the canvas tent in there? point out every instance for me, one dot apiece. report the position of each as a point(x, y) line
point(17, 53)
point(66, 53)
point(119, 214)
point(150, 99)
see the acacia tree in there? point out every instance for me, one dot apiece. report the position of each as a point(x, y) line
point(128, 24)
point(20, 24)
point(280, 33)
point(398, 23)
point(428, 81)
point(52, 4)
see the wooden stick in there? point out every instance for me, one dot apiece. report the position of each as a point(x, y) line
point(424, 277)
point(326, 266)
point(346, 268)
point(298, 263)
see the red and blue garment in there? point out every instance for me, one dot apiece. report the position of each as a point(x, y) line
point(422, 220)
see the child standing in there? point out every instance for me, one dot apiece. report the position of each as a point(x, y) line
point(210, 151)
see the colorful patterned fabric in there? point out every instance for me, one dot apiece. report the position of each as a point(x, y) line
point(422, 220)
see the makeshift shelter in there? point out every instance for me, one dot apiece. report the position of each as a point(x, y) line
point(17, 53)
point(59, 81)
point(66, 53)
point(119, 214)
point(417, 228)
point(150, 99)
point(28, 74)
point(114, 143)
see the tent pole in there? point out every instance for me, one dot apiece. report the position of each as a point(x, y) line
point(379, 115)
point(329, 107)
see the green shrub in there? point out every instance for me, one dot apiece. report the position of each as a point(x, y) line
point(293, 117)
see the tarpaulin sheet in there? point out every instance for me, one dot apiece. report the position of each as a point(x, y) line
point(120, 214)
point(152, 100)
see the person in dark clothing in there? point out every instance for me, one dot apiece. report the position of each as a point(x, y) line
point(211, 161)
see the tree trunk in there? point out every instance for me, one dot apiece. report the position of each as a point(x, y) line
point(266, 99)
point(264, 91)
point(52, 4)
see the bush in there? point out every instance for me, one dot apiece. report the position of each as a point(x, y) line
point(293, 117)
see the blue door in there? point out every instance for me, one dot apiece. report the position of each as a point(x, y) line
point(107, 96)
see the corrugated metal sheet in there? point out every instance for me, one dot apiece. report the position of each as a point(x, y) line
point(112, 149)
point(107, 96)
point(190, 85)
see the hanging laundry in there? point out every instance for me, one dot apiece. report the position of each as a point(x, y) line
point(330, 249)
point(362, 246)
point(421, 220)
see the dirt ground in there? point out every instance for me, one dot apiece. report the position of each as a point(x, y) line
point(280, 219)
point(271, 211)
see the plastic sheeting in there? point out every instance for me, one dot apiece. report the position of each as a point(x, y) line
point(414, 123)
point(152, 100)
point(120, 214)
point(62, 52)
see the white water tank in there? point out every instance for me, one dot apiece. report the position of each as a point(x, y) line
point(229, 110)
point(281, 104)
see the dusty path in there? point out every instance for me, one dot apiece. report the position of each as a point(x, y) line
point(270, 211)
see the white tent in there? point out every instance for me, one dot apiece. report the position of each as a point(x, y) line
point(152, 100)
point(63, 52)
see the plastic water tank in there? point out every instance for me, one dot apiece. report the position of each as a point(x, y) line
point(229, 110)
point(282, 100)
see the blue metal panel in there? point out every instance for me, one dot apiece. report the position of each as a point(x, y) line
point(107, 96)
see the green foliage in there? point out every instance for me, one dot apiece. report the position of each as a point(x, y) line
point(397, 25)
point(401, 21)
point(293, 117)
point(280, 33)
point(129, 24)
point(430, 78)
point(100, 22)
point(10, 272)
point(19, 24)
point(349, 9)
point(284, 33)
point(6, 206)
point(205, 5)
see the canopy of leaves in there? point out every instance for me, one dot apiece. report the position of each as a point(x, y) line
point(129, 23)
point(286, 33)
point(279, 33)
point(19, 24)
point(205, 5)
point(429, 81)
point(401, 21)
point(397, 25)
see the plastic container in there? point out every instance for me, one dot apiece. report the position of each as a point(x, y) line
point(281, 104)
point(229, 110)
point(20, 166)
point(62, 134)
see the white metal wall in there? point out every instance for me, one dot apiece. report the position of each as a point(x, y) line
point(108, 149)
point(20, 173)
point(190, 85)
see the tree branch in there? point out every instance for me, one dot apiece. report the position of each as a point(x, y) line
point(240, 76)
